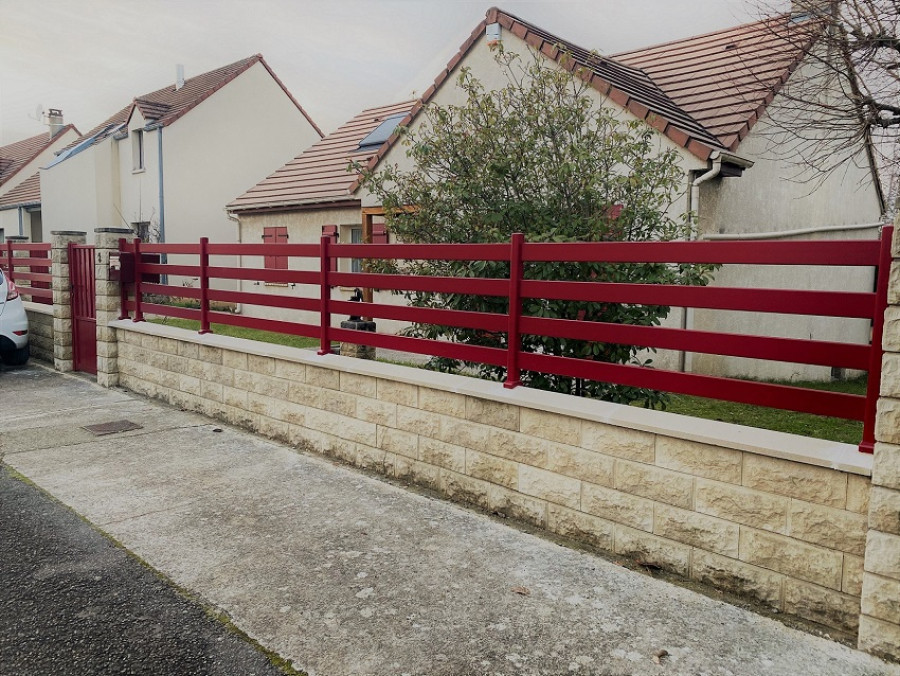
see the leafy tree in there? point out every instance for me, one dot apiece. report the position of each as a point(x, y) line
point(539, 156)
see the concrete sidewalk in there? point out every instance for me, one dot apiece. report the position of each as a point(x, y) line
point(342, 573)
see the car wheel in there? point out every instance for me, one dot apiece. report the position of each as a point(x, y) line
point(16, 357)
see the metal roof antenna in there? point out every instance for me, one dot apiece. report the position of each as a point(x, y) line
point(179, 76)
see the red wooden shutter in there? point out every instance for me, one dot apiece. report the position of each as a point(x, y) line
point(379, 234)
point(332, 231)
point(275, 235)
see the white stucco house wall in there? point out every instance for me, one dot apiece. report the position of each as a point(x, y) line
point(166, 163)
point(698, 94)
point(20, 186)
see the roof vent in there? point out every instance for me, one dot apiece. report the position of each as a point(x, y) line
point(179, 76)
point(492, 32)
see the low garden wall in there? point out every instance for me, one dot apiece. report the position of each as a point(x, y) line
point(778, 517)
point(40, 330)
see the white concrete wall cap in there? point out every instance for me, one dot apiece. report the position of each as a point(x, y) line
point(819, 452)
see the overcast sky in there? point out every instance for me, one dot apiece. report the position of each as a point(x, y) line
point(92, 57)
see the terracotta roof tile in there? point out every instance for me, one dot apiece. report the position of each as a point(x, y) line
point(27, 193)
point(725, 79)
point(319, 174)
point(623, 83)
point(166, 105)
point(16, 155)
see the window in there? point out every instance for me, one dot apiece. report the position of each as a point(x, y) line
point(137, 149)
point(356, 237)
point(381, 133)
point(379, 236)
point(275, 235)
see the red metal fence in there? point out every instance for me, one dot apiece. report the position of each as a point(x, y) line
point(841, 304)
point(30, 269)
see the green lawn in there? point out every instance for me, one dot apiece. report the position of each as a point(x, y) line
point(241, 332)
point(821, 427)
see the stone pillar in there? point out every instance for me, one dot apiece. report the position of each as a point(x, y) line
point(62, 296)
point(109, 305)
point(879, 626)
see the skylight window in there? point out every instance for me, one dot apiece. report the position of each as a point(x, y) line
point(381, 133)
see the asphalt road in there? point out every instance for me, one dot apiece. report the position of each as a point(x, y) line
point(73, 603)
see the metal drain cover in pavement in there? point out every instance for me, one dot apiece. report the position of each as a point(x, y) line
point(112, 427)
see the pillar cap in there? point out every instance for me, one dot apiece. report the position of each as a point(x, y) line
point(68, 233)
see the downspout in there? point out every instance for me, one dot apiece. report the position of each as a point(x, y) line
point(714, 171)
point(21, 222)
point(162, 199)
point(687, 317)
point(158, 127)
point(238, 307)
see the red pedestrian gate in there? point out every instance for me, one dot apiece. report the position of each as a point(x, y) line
point(84, 315)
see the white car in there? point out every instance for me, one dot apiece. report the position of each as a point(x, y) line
point(14, 349)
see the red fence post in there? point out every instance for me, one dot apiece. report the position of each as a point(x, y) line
point(513, 337)
point(325, 294)
point(204, 285)
point(138, 274)
point(867, 445)
point(123, 287)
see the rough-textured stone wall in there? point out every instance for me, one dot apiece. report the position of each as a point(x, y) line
point(62, 297)
point(40, 331)
point(789, 533)
point(879, 630)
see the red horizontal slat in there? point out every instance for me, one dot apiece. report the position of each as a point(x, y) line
point(166, 269)
point(33, 277)
point(470, 285)
point(839, 405)
point(168, 310)
point(845, 355)
point(824, 303)
point(265, 299)
point(449, 252)
point(483, 321)
point(32, 246)
point(300, 250)
point(266, 275)
point(31, 262)
point(273, 325)
point(757, 252)
point(34, 292)
point(438, 348)
point(169, 248)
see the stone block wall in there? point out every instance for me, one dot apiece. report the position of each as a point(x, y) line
point(40, 330)
point(780, 518)
point(879, 630)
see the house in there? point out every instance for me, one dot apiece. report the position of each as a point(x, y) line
point(166, 163)
point(315, 195)
point(729, 81)
point(20, 185)
point(707, 97)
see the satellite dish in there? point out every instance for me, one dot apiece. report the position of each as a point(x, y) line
point(38, 113)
